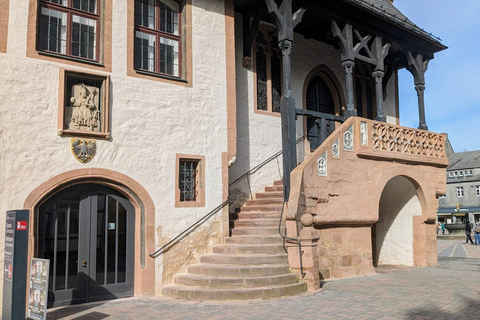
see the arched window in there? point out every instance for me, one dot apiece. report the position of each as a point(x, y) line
point(268, 71)
point(364, 91)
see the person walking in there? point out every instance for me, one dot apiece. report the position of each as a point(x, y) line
point(468, 231)
point(443, 227)
point(476, 232)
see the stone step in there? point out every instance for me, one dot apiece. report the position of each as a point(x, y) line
point(249, 248)
point(255, 239)
point(278, 183)
point(274, 188)
point(255, 215)
point(257, 208)
point(265, 202)
point(269, 195)
point(259, 231)
point(196, 293)
point(231, 283)
point(244, 259)
point(255, 223)
point(231, 270)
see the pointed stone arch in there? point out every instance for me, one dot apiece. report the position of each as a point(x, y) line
point(144, 282)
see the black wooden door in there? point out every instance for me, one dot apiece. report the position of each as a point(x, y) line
point(319, 99)
point(87, 232)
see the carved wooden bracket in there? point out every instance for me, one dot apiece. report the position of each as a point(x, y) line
point(287, 21)
point(417, 67)
point(352, 43)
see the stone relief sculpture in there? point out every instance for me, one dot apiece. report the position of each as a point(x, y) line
point(85, 113)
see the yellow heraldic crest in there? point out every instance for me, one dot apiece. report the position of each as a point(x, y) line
point(83, 150)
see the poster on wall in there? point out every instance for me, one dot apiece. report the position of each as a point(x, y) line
point(9, 244)
point(38, 289)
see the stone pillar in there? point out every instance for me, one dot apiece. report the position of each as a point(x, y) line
point(309, 239)
point(420, 88)
point(348, 66)
point(378, 75)
point(287, 104)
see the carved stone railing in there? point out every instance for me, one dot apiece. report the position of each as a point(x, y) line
point(406, 140)
point(389, 141)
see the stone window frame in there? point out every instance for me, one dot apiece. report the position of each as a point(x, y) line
point(186, 76)
point(4, 13)
point(450, 174)
point(200, 181)
point(104, 39)
point(63, 100)
point(459, 191)
point(268, 32)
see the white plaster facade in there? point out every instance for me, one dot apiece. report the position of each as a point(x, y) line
point(151, 121)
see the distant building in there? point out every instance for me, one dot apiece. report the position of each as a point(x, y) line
point(462, 199)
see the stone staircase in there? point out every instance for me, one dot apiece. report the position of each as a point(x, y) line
point(252, 264)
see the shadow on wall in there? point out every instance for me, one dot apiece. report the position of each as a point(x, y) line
point(393, 233)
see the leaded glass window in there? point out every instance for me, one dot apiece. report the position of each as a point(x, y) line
point(268, 71)
point(69, 27)
point(157, 36)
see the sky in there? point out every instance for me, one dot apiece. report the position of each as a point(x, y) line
point(452, 81)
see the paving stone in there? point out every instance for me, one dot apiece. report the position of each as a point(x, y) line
point(447, 291)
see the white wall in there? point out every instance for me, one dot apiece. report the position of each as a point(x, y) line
point(394, 229)
point(151, 121)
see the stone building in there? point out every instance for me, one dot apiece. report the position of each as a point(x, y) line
point(128, 125)
point(462, 199)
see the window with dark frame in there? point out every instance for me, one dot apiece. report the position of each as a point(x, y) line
point(268, 69)
point(69, 27)
point(157, 36)
point(189, 179)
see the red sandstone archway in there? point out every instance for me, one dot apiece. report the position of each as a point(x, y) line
point(144, 215)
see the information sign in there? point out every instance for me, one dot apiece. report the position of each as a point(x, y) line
point(38, 289)
point(9, 244)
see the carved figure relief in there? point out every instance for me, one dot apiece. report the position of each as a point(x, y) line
point(84, 110)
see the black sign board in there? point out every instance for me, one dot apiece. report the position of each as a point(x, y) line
point(38, 289)
point(15, 264)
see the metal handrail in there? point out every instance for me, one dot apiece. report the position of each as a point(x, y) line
point(258, 166)
point(300, 252)
point(153, 255)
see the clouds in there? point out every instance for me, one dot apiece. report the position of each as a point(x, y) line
point(452, 95)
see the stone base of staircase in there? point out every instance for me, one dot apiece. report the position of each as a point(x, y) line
point(251, 264)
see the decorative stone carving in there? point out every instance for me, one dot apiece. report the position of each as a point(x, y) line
point(335, 149)
point(364, 133)
point(348, 139)
point(85, 113)
point(83, 150)
point(322, 164)
point(405, 140)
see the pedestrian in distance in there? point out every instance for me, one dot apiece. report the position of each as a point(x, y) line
point(476, 232)
point(443, 227)
point(468, 231)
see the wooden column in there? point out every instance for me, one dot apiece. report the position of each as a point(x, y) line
point(417, 67)
point(286, 22)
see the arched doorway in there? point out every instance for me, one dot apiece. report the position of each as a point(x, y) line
point(322, 94)
point(392, 235)
point(87, 232)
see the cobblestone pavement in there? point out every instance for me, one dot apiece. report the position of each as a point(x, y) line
point(449, 291)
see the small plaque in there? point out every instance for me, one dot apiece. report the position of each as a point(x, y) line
point(322, 164)
point(111, 226)
point(348, 139)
